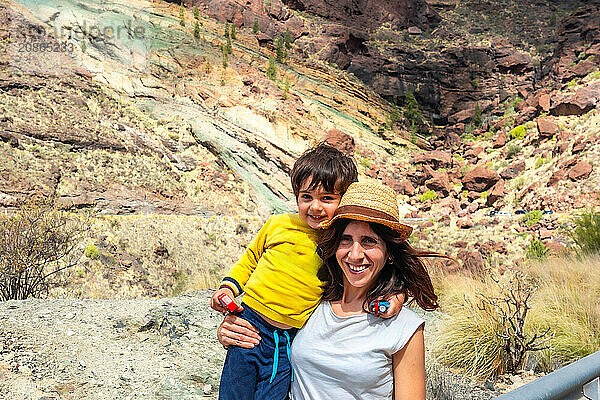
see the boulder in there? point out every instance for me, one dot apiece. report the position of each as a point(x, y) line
point(581, 170)
point(500, 140)
point(435, 158)
point(405, 187)
point(513, 170)
point(496, 193)
point(414, 30)
point(439, 183)
point(547, 127)
point(585, 99)
point(480, 179)
point(556, 177)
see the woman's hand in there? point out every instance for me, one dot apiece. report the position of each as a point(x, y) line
point(396, 303)
point(236, 331)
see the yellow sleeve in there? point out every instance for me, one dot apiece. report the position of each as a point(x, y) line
point(241, 271)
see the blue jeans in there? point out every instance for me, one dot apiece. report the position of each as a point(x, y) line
point(261, 373)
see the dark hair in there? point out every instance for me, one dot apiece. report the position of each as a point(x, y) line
point(324, 165)
point(406, 273)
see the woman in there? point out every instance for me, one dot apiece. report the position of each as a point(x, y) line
point(343, 351)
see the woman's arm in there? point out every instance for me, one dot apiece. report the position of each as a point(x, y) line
point(237, 331)
point(409, 369)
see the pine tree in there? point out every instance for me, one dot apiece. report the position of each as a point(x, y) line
point(226, 30)
point(196, 29)
point(279, 49)
point(255, 26)
point(272, 69)
point(225, 57)
point(228, 46)
point(286, 88)
point(196, 13)
point(182, 14)
point(477, 118)
point(233, 33)
point(288, 38)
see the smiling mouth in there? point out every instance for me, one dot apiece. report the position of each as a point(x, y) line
point(357, 269)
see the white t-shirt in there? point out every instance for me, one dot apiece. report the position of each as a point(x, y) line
point(348, 357)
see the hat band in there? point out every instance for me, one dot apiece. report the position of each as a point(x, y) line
point(352, 209)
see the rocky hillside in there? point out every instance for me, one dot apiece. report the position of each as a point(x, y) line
point(142, 113)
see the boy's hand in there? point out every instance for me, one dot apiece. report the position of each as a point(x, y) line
point(236, 331)
point(396, 303)
point(216, 304)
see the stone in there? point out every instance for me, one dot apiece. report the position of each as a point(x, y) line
point(545, 234)
point(579, 146)
point(513, 170)
point(547, 127)
point(556, 177)
point(544, 102)
point(581, 170)
point(414, 30)
point(496, 193)
point(440, 184)
point(405, 187)
point(464, 223)
point(500, 140)
point(480, 179)
point(585, 99)
point(435, 158)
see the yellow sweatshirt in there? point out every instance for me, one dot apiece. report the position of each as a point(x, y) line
point(278, 271)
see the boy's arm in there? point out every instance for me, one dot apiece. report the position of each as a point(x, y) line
point(234, 281)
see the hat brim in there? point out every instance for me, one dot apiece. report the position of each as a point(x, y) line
point(403, 229)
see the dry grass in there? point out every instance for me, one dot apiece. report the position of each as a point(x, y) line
point(199, 250)
point(567, 300)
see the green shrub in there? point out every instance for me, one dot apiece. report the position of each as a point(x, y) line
point(540, 161)
point(196, 13)
point(255, 26)
point(513, 150)
point(532, 217)
point(536, 250)
point(428, 195)
point(518, 132)
point(92, 252)
point(572, 83)
point(586, 232)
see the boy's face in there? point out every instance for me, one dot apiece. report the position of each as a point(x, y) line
point(316, 206)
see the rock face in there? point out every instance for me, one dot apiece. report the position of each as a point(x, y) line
point(370, 14)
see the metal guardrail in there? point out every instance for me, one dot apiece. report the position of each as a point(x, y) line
point(576, 381)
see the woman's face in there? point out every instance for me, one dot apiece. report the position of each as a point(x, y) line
point(361, 254)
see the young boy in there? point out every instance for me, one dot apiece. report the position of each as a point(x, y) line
point(278, 275)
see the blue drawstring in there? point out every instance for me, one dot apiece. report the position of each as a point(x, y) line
point(276, 354)
point(287, 347)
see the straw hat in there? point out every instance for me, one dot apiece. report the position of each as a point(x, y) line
point(371, 202)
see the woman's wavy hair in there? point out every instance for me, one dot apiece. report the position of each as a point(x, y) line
point(405, 273)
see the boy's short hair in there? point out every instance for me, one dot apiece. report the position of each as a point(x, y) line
point(326, 166)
